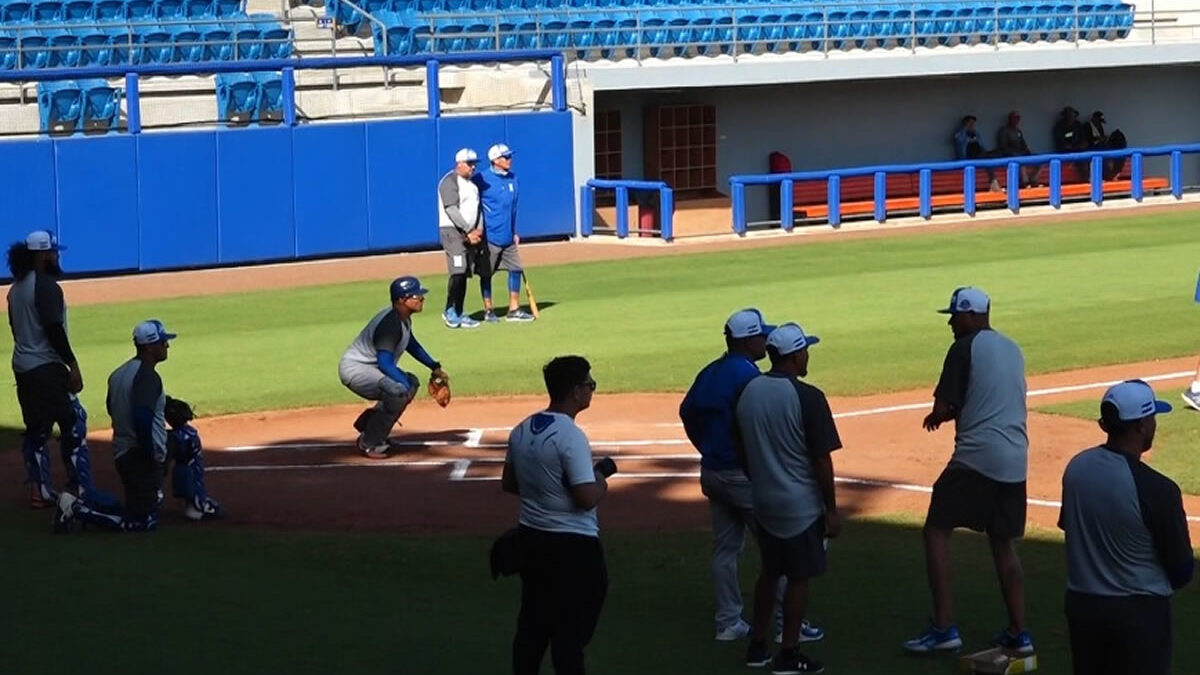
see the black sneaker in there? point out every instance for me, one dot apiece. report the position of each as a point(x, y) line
point(792, 662)
point(757, 655)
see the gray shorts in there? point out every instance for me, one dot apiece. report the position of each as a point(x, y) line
point(461, 258)
point(370, 383)
point(504, 258)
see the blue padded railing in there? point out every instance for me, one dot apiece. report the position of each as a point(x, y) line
point(666, 206)
point(275, 94)
point(611, 29)
point(1012, 165)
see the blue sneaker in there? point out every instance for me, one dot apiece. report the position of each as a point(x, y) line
point(1021, 643)
point(491, 317)
point(467, 322)
point(935, 639)
point(518, 315)
point(808, 633)
point(450, 318)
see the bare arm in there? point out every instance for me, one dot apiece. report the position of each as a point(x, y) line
point(942, 412)
point(508, 482)
point(823, 470)
point(587, 495)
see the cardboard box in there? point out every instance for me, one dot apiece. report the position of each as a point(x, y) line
point(998, 660)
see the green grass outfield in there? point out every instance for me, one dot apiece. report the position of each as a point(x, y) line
point(189, 600)
point(1175, 443)
point(1074, 295)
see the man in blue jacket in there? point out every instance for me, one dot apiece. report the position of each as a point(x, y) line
point(498, 194)
point(707, 413)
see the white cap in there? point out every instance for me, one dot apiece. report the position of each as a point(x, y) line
point(747, 323)
point(43, 240)
point(968, 300)
point(497, 151)
point(466, 155)
point(1134, 399)
point(789, 338)
point(151, 332)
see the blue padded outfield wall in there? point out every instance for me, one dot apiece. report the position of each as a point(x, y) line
point(172, 199)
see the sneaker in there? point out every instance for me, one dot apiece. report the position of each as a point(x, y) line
point(808, 633)
point(518, 315)
point(792, 662)
point(734, 631)
point(41, 497)
point(450, 318)
point(935, 639)
point(757, 655)
point(64, 512)
point(491, 317)
point(373, 451)
point(1193, 400)
point(1021, 643)
point(210, 509)
point(467, 322)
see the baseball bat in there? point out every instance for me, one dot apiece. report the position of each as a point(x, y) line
point(533, 308)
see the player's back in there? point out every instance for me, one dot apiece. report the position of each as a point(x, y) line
point(544, 450)
point(387, 326)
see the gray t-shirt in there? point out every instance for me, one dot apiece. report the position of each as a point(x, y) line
point(1126, 531)
point(34, 303)
point(783, 424)
point(983, 381)
point(135, 384)
point(458, 198)
point(548, 452)
point(386, 331)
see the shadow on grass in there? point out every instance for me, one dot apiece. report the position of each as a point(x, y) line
point(501, 309)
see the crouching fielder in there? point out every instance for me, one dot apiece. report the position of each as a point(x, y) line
point(368, 367)
point(185, 449)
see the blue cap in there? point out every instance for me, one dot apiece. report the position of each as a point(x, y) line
point(1134, 399)
point(151, 332)
point(968, 300)
point(404, 287)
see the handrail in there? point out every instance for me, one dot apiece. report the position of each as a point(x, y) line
point(1012, 166)
point(666, 205)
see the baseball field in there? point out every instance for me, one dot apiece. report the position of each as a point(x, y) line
point(332, 563)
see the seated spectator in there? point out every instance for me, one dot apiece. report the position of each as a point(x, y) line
point(1010, 142)
point(1096, 139)
point(1070, 136)
point(967, 145)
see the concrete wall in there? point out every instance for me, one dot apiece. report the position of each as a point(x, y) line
point(843, 124)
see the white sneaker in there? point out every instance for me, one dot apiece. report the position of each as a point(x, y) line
point(1193, 400)
point(734, 631)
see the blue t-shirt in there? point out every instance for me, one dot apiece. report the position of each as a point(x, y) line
point(708, 409)
point(498, 196)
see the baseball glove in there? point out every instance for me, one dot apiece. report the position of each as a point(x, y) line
point(439, 387)
point(177, 412)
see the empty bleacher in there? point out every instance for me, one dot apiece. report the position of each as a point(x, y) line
point(618, 29)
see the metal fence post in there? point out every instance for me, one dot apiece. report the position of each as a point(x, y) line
point(622, 212)
point(666, 205)
point(787, 213)
point(133, 103)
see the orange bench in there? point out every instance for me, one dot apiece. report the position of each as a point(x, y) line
point(903, 191)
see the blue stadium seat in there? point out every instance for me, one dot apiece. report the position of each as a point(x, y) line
point(139, 10)
point(33, 52)
point(248, 42)
point(276, 39)
point(481, 6)
point(904, 29)
point(124, 44)
point(169, 10)
point(78, 10)
point(95, 48)
point(188, 44)
point(507, 6)
point(270, 97)
point(8, 51)
point(64, 48)
point(60, 105)
point(224, 8)
point(748, 30)
point(448, 37)
point(101, 108)
point(237, 97)
point(454, 6)
point(422, 39)
point(945, 26)
point(199, 9)
point(880, 26)
point(1124, 20)
point(16, 12)
point(109, 10)
point(155, 46)
point(47, 11)
point(509, 39)
point(399, 34)
point(581, 36)
point(481, 36)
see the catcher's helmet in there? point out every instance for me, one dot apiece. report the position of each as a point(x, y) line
point(405, 287)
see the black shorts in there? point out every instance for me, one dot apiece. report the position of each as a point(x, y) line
point(44, 399)
point(1119, 634)
point(799, 557)
point(964, 497)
